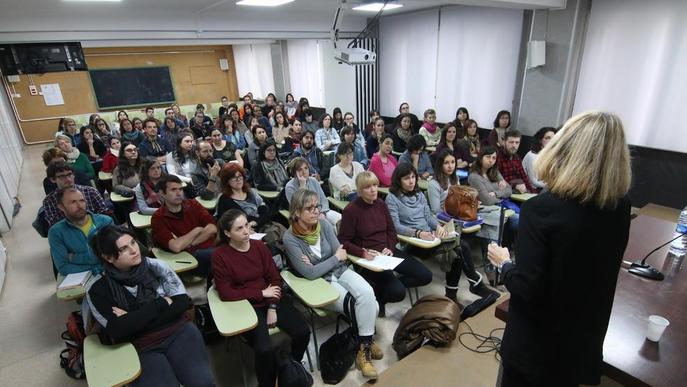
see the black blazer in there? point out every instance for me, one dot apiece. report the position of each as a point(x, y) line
point(562, 288)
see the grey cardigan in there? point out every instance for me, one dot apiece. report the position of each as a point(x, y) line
point(326, 266)
point(484, 186)
point(410, 213)
point(313, 185)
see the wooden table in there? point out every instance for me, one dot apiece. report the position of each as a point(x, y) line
point(629, 358)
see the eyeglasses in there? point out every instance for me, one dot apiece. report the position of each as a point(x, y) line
point(65, 176)
point(131, 150)
point(316, 208)
point(236, 178)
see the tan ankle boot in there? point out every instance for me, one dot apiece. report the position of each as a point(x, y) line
point(376, 351)
point(363, 360)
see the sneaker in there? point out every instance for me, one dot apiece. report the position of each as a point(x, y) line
point(483, 290)
point(363, 360)
point(376, 351)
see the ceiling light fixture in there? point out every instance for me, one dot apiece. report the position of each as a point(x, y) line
point(376, 7)
point(263, 3)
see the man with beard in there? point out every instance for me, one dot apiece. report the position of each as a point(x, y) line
point(510, 165)
point(310, 153)
point(205, 178)
point(68, 238)
point(152, 145)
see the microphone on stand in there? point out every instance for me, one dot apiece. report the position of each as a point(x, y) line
point(647, 271)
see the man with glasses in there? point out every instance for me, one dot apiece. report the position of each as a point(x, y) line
point(68, 238)
point(62, 174)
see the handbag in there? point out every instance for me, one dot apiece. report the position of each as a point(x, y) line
point(293, 374)
point(462, 202)
point(337, 354)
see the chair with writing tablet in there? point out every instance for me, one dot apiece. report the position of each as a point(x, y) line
point(109, 365)
point(179, 262)
point(313, 294)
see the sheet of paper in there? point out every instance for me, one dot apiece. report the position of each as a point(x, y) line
point(257, 236)
point(381, 262)
point(52, 95)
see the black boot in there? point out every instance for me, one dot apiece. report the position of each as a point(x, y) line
point(451, 294)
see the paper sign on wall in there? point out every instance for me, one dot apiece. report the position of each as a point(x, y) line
point(52, 94)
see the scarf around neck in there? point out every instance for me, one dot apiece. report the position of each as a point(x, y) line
point(310, 237)
point(73, 155)
point(430, 127)
point(274, 172)
point(142, 277)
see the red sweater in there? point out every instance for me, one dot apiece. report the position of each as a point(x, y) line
point(110, 161)
point(243, 275)
point(167, 226)
point(367, 226)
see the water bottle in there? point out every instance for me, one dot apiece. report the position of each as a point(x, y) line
point(679, 246)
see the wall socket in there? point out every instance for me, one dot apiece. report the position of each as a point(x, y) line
point(33, 90)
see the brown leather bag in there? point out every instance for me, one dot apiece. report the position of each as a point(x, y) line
point(462, 202)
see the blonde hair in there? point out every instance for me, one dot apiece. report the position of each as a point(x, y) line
point(588, 160)
point(365, 179)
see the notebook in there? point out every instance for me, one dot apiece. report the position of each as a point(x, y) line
point(74, 280)
point(381, 262)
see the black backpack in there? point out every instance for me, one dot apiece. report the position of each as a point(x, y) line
point(40, 224)
point(337, 354)
point(293, 374)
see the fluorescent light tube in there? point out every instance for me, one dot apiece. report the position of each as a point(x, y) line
point(376, 7)
point(263, 3)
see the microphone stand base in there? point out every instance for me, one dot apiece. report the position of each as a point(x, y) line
point(646, 271)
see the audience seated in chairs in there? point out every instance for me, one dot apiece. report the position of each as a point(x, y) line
point(412, 217)
point(68, 238)
point(183, 224)
point(510, 165)
point(62, 174)
point(111, 158)
point(367, 239)
point(342, 175)
point(148, 198)
point(269, 174)
point(141, 300)
point(152, 145)
point(349, 135)
point(129, 132)
point(326, 137)
point(243, 269)
point(74, 157)
point(314, 251)
point(311, 153)
point(53, 155)
point(383, 162)
point(205, 176)
point(300, 179)
point(416, 156)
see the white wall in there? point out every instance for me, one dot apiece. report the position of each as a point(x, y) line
point(339, 80)
point(635, 65)
point(10, 161)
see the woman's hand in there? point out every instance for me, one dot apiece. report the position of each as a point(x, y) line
point(370, 254)
point(492, 194)
point(503, 184)
point(302, 179)
point(441, 232)
point(426, 235)
point(306, 260)
point(345, 189)
point(386, 251)
point(118, 312)
point(271, 291)
point(341, 254)
point(271, 318)
point(497, 254)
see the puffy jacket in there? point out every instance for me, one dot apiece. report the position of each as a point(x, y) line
point(433, 317)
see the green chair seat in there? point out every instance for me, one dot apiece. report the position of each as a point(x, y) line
point(179, 262)
point(231, 317)
point(109, 365)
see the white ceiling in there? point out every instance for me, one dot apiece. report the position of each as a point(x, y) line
point(138, 22)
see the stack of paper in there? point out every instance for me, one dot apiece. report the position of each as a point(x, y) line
point(74, 280)
point(257, 236)
point(380, 263)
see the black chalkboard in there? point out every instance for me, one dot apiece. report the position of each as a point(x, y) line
point(119, 88)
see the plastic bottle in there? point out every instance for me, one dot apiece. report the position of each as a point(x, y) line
point(679, 246)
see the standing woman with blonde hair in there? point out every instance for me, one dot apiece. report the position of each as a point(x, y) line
point(582, 221)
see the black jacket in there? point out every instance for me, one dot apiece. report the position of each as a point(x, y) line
point(562, 288)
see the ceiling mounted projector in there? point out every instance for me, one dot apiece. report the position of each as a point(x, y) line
point(355, 56)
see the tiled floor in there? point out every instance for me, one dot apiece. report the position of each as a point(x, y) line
point(31, 318)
